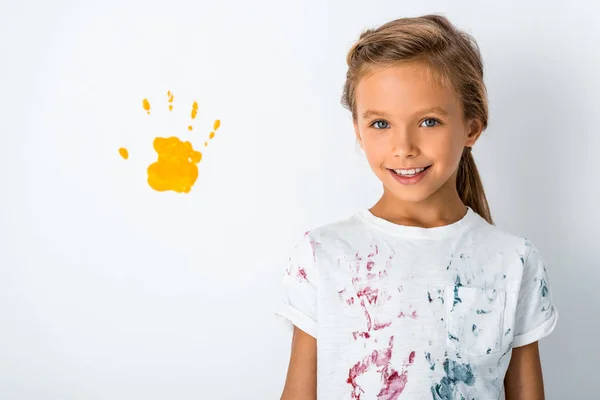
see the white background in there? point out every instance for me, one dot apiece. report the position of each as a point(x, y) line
point(111, 290)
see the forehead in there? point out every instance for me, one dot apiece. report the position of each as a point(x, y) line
point(402, 89)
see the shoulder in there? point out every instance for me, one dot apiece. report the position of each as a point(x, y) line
point(490, 238)
point(512, 256)
point(337, 238)
point(335, 230)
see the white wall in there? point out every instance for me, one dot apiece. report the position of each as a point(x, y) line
point(111, 290)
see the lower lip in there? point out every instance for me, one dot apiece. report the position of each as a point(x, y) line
point(409, 180)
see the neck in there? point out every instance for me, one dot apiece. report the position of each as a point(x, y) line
point(442, 208)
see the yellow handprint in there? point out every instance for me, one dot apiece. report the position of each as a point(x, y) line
point(176, 167)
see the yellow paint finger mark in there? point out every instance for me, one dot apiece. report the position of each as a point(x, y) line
point(146, 105)
point(176, 167)
point(205, 144)
point(190, 128)
point(217, 124)
point(170, 95)
point(212, 135)
point(124, 153)
point(194, 110)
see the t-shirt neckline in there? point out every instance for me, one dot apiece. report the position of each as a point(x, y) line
point(459, 226)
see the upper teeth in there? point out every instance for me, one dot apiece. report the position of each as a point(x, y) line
point(409, 171)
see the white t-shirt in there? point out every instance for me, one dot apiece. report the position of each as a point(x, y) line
point(415, 313)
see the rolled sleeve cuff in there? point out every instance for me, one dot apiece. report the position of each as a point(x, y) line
point(538, 333)
point(297, 318)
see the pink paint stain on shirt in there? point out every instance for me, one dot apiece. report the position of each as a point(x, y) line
point(367, 315)
point(302, 274)
point(369, 293)
point(370, 265)
point(393, 382)
point(357, 370)
point(349, 301)
point(393, 385)
point(388, 263)
point(412, 315)
point(357, 262)
point(364, 335)
point(378, 325)
point(368, 296)
point(372, 297)
point(374, 253)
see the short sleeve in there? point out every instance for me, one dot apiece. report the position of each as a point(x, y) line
point(298, 289)
point(536, 315)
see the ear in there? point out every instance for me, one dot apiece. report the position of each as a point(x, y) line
point(475, 128)
point(357, 133)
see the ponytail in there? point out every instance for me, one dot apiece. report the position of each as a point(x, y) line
point(470, 186)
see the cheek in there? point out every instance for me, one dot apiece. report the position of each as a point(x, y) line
point(446, 151)
point(375, 151)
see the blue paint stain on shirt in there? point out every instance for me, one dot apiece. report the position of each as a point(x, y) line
point(457, 284)
point(455, 373)
point(431, 363)
point(544, 288)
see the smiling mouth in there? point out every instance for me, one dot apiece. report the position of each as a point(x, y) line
point(409, 172)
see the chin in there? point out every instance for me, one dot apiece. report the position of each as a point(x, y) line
point(412, 197)
point(409, 194)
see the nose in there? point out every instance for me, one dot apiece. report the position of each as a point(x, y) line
point(403, 144)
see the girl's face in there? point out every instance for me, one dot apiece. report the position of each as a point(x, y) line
point(406, 122)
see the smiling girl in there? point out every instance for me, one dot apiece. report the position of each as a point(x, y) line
point(419, 296)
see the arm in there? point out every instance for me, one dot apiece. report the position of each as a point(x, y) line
point(535, 318)
point(523, 380)
point(301, 380)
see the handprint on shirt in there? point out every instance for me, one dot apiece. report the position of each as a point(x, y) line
point(381, 360)
point(367, 290)
point(176, 165)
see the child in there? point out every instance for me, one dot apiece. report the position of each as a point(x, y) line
point(420, 296)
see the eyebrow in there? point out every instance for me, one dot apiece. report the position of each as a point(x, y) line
point(375, 113)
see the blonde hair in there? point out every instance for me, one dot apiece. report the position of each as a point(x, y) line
point(452, 58)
